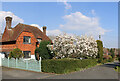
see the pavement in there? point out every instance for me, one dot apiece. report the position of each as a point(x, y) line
point(10, 73)
point(105, 71)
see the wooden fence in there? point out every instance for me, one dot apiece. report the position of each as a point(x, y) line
point(32, 64)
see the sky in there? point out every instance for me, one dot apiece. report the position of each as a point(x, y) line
point(80, 18)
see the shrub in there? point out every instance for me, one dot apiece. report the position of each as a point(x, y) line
point(66, 65)
point(119, 55)
point(104, 61)
point(117, 68)
point(100, 50)
point(16, 53)
point(43, 51)
point(112, 53)
point(119, 58)
point(110, 59)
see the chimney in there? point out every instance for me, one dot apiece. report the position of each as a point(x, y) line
point(44, 29)
point(8, 22)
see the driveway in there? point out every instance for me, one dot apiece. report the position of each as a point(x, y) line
point(105, 71)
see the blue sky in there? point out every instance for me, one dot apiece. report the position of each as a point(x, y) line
point(58, 15)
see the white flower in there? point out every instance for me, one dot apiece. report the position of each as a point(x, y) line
point(66, 45)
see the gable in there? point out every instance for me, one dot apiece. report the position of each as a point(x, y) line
point(25, 33)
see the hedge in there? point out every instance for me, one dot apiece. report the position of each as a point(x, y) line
point(61, 66)
point(100, 50)
point(43, 51)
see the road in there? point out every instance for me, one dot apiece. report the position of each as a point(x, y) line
point(105, 71)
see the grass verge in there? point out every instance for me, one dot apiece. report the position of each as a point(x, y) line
point(117, 68)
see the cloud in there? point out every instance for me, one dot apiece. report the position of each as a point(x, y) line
point(49, 32)
point(93, 12)
point(67, 5)
point(79, 22)
point(54, 32)
point(36, 25)
point(15, 19)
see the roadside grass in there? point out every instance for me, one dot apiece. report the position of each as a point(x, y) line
point(117, 69)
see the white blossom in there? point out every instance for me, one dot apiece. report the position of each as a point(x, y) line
point(74, 46)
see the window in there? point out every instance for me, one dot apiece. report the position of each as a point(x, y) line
point(27, 40)
point(27, 54)
point(39, 40)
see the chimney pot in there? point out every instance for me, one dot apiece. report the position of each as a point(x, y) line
point(8, 22)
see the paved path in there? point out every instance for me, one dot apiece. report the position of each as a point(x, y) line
point(98, 72)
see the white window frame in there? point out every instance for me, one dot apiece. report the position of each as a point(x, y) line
point(25, 38)
point(29, 56)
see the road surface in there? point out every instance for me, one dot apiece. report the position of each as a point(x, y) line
point(105, 71)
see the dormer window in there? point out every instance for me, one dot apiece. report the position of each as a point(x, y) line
point(39, 40)
point(27, 40)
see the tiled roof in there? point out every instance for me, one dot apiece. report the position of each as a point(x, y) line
point(12, 34)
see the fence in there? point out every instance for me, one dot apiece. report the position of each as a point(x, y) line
point(32, 64)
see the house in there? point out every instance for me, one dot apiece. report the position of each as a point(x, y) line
point(106, 53)
point(22, 36)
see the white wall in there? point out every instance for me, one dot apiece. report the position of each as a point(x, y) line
point(1, 56)
point(32, 56)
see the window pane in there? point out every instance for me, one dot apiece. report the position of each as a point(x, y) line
point(39, 40)
point(27, 54)
point(27, 40)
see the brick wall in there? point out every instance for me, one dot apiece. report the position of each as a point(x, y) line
point(11, 46)
point(19, 43)
point(26, 47)
point(8, 47)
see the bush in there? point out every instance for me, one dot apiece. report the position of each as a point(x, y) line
point(110, 59)
point(100, 50)
point(60, 66)
point(117, 68)
point(119, 58)
point(16, 53)
point(43, 51)
point(104, 61)
point(112, 52)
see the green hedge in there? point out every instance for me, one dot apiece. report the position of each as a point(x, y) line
point(60, 66)
point(43, 51)
point(100, 50)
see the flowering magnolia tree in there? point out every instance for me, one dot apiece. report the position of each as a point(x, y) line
point(73, 46)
